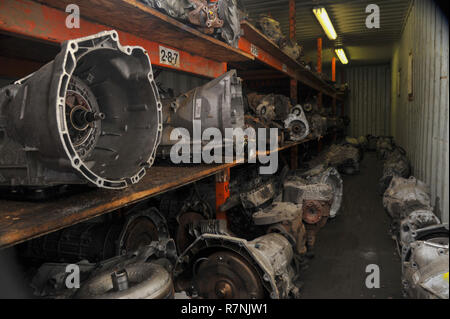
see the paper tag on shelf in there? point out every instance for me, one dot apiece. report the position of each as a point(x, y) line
point(169, 56)
point(254, 50)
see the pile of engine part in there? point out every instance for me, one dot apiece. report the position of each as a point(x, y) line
point(219, 18)
point(217, 104)
point(360, 142)
point(329, 176)
point(271, 28)
point(122, 255)
point(395, 164)
point(344, 157)
point(421, 238)
point(274, 223)
point(74, 105)
point(315, 200)
point(275, 110)
point(384, 146)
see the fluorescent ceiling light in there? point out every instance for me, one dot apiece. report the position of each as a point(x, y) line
point(341, 55)
point(322, 15)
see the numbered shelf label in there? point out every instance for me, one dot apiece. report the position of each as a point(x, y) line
point(169, 57)
point(254, 50)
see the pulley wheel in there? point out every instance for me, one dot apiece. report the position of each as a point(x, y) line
point(227, 275)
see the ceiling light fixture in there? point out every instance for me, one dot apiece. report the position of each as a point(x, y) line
point(341, 55)
point(322, 15)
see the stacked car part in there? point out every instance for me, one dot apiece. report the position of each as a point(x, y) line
point(344, 157)
point(94, 112)
point(421, 238)
point(220, 18)
point(217, 104)
point(275, 110)
point(272, 29)
point(395, 164)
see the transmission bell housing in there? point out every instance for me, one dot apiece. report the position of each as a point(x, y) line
point(91, 116)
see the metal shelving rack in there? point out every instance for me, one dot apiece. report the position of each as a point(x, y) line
point(137, 24)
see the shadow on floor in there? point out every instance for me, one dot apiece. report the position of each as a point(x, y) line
point(357, 237)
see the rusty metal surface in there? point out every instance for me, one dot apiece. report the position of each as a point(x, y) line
point(41, 22)
point(226, 275)
point(21, 221)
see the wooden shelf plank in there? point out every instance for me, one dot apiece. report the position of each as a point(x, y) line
point(21, 221)
point(40, 22)
point(136, 18)
point(256, 37)
point(291, 67)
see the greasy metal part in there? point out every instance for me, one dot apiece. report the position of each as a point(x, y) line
point(183, 237)
point(258, 196)
point(94, 112)
point(344, 157)
point(270, 107)
point(317, 125)
point(120, 280)
point(229, 13)
point(175, 8)
point(405, 196)
point(297, 124)
point(316, 202)
point(217, 104)
point(205, 15)
point(292, 49)
point(100, 240)
point(425, 269)
point(411, 226)
point(270, 255)
point(146, 281)
point(277, 212)
point(221, 17)
point(396, 164)
point(314, 211)
point(312, 230)
point(371, 142)
point(144, 273)
point(331, 177)
point(226, 275)
point(271, 28)
point(294, 231)
point(384, 146)
point(295, 190)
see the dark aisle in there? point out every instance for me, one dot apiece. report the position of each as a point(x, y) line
point(357, 237)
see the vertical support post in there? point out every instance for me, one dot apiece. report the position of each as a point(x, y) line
point(319, 55)
point(319, 67)
point(292, 36)
point(292, 13)
point(294, 83)
point(319, 97)
point(222, 191)
point(294, 91)
point(333, 69)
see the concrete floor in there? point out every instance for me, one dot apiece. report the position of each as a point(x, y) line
point(357, 237)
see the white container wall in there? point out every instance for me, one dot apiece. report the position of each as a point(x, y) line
point(420, 123)
point(369, 100)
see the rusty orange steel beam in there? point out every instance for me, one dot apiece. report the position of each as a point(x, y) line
point(292, 22)
point(30, 19)
point(319, 55)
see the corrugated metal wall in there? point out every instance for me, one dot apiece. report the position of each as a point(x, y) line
point(369, 100)
point(421, 125)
